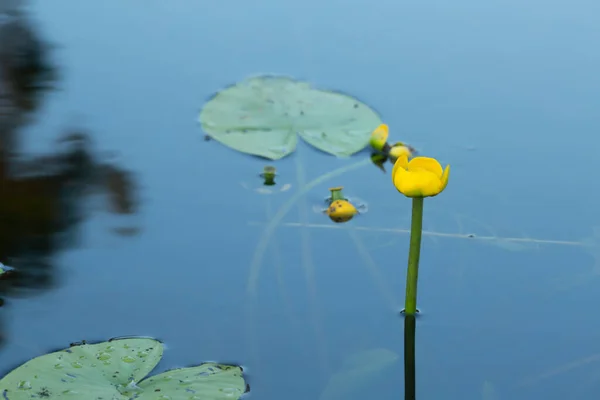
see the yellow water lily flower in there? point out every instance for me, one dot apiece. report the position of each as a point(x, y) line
point(419, 177)
point(379, 137)
point(398, 150)
point(341, 211)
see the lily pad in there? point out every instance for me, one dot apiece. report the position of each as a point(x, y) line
point(114, 370)
point(263, 115)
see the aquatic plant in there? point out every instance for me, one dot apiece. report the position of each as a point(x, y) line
point(384, 151)
point(115, 370)
point(268, 175)
point(359, 374)
point(268, 184)
point(418, 178)
point(264, 115)
point(410, 326)
point(340, 208)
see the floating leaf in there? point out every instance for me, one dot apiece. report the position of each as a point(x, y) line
point(263, 115)
point(208, 381)
point(113, 370)
point(357, 371)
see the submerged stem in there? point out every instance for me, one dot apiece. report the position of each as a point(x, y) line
point(410, 326)
point(412, 273)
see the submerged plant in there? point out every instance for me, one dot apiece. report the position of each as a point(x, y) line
point(418, 178)
point(410, 326)
point(116, 370)
point(360, 373)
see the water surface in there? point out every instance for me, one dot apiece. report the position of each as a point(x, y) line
point(505, 92)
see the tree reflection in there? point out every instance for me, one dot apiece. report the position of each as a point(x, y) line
point(41, 198)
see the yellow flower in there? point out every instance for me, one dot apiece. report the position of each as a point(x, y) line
point(379, 137)
point(341, 211)
point(398, 150)
point(421, 177)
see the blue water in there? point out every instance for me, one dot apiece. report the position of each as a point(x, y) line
point(505, 92)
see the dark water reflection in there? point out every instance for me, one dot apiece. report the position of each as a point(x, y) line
point(509, 279)
point(43, 198)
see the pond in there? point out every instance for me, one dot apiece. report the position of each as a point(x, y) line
point(125, 221)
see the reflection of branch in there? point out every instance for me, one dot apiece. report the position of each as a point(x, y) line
point(41, 204)
point(560, 370)
point(410, 326)
point(41, 198)
point(309, 271)
point(120, 186)
point(24, 69)
point(373, 270)
point(492, 239)
point(278, 264)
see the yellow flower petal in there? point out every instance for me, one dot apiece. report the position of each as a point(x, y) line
point(401, 162)
point(445, 178)
point(418, 184)
point(426, 163)
point(397, 151)
point(398, 174)
point(379, 137)
point(419, 177)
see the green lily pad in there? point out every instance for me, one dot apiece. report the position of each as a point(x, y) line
point(357, 372)
point(114, 370)
point(263, 115)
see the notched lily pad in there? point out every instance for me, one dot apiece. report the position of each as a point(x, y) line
point(207, 381)
point(263, 115)
point(114, 370)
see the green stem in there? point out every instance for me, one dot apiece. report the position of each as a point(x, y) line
point(412, 274)
point(337, 195)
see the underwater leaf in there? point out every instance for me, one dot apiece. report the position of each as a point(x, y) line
point(488, 391)
point(358, 370)
point(263, 116)
point(87, 371)
point(208, 381)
